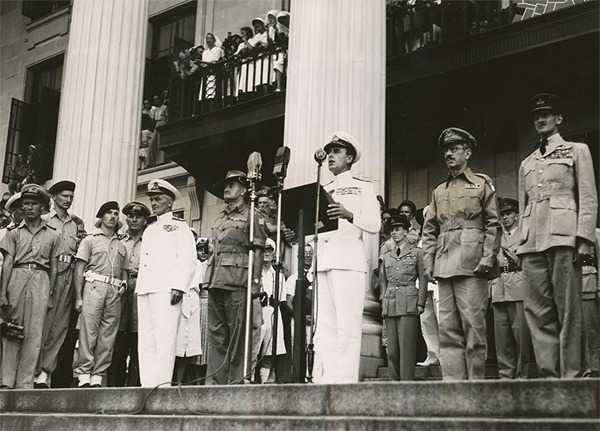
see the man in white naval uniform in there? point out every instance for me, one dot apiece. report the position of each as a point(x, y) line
point(167, 266)
point(342, 265)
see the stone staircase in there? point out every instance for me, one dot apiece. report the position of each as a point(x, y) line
point(549, 404)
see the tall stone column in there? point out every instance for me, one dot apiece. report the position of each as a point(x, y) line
point(336, 81)
point(100, 108)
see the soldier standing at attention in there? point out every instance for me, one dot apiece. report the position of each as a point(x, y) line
point(403, 299)
point(30, 252)
point(120, 373)
point(99, 283)
point(513, 341)
point(61, 300)
point(167, 267)
point(559, 206)
point(226, 277)
point(342, 265)
point(461, 238)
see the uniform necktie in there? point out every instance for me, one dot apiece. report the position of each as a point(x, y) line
point(397, 251)
point(543, 145)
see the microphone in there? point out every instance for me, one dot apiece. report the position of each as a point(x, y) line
point(320, 155)
point(282, 159)
point(254, 165)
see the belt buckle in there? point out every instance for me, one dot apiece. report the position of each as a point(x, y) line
point(505, 268)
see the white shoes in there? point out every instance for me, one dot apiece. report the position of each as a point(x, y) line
point(428, 363)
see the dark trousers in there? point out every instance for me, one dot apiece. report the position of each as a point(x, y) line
point(552, 281)
point(513, 342)
point(402, 346)
point(226, 312)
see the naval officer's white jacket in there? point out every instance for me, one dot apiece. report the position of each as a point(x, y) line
point(344, 248)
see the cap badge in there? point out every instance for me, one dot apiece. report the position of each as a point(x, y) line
point(335, 138)
point(154, 187)
point(539, 102)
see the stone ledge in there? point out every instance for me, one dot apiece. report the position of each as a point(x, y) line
point(192, 423)
point(550, 398)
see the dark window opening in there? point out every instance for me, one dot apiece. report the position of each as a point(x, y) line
point(36, 9)
point(33, 125)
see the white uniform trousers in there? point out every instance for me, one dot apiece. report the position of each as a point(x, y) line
point(429, 328)
point(158, 321)
point(338, 336)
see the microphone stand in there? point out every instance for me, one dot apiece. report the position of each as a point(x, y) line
point(253, 177)
point(282, 158)
point(310, 351)
point(276, 293)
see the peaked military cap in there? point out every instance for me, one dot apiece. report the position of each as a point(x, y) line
point(13, 200)
point(162, 187)
point(508, 204)
point(136, 207)
point(61, 186)
point(35, 191)
point(454, 135)
point(344, 140)
point(399, 220)
point(546, 101)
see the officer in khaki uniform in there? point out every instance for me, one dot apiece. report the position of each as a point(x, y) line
point(31, 252)
point(120, 373)
point(61, 300)
point(461, 238)
point(100, 274)
point(513, 341)
point(559, 206)
point(404, 292)
point(226, 278)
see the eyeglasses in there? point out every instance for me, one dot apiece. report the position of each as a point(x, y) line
point(453, 149)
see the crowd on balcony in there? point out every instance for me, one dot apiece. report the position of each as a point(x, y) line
point(240, 67)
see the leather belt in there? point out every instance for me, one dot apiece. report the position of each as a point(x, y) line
point(509, 268)
point(461, 224)
point(32, 266)
point(66, 258)
point(92, 276)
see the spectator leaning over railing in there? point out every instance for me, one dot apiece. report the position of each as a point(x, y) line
point(245, 82)
point(259, 43)
point(212, 54)
point(281, 39)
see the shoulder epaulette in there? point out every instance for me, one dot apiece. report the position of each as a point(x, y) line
point(488, 181)
point(121, 236)
point(361, 179)
point(11, 227)
point(152, 219)
point(330, 182)
point(76, 219)
point(177, 218)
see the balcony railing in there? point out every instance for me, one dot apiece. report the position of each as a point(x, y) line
point(415, 24)
point(224, 84)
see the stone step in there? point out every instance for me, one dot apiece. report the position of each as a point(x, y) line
point(91, 422)
point(433, 373)
point(546, 399)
